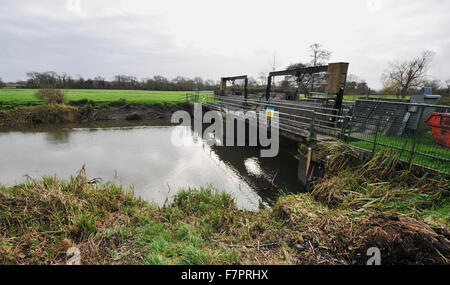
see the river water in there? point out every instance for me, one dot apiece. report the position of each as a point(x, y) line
point(141, 155)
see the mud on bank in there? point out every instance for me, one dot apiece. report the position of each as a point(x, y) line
point(87, 112)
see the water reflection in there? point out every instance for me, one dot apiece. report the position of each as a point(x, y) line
point(143, 155)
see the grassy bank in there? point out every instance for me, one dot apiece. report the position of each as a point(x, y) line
point(381, 184)
point(86, 111)
point(53, 113)
point(25, 97)
point(348, 212)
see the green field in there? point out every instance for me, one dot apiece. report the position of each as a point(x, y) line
point(25, 97)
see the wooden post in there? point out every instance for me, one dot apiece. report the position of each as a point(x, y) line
point(336, 81)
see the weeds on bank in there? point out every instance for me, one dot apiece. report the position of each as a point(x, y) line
point(381, 185)
point(50, 113)
point(40, 220)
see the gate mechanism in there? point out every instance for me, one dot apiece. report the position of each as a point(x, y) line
point(224, 80)
point(336, 77)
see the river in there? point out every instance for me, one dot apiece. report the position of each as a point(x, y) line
point(141, 154)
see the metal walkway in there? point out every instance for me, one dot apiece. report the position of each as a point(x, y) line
point(305, 119)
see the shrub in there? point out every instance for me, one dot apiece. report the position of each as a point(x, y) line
point(50, 95)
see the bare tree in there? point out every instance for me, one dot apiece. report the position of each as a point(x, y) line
point(319, 55)
point(2, 84)
point(303, 81)
point(402, 76)
point(262, 77)
point(435, 84)
point(356, 86)
point(62, 80)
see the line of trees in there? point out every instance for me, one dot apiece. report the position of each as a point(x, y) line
point(65, 81)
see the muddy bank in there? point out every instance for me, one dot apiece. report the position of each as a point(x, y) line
point(333, 236)
point(138, 112)
point(53, 113)
point(402, 240)
point(61, 113)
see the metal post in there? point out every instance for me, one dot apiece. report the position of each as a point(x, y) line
point(377, 129)
point(351, 122)
point(345, 123)
point(339, 100)
point(246, 89)
point(416, 134)
point(311, 127)
point(269, 85)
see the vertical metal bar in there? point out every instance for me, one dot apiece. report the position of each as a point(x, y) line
point(416, 134)
point(246, 89)
point(350, 127)
point(339, 100)
point(345, 123)
point(311, 127)
point(269, 86)
point(377, 129)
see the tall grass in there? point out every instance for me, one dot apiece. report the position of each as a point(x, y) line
point(381, 184)
point(41, 219)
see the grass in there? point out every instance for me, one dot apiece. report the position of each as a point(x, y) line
point(49, 113)
point(25, 97)
point(381, 185)
point(41, 219)
point(445, 100)
point(425, 144)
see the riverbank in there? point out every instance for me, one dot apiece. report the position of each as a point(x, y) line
point(85, 111)
point(350, 210)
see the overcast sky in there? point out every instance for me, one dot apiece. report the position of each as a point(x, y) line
point(210, 38)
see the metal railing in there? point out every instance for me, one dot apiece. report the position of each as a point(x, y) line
point(400, 126)
point(309, 120)
point(373, 125)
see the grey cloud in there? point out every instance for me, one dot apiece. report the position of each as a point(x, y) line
point(139, 38)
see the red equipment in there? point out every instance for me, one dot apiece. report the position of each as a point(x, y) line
point(440, 127)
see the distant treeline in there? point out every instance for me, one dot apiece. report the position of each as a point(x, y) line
point(126, 82)
point(354, 86)
point(64, 81)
